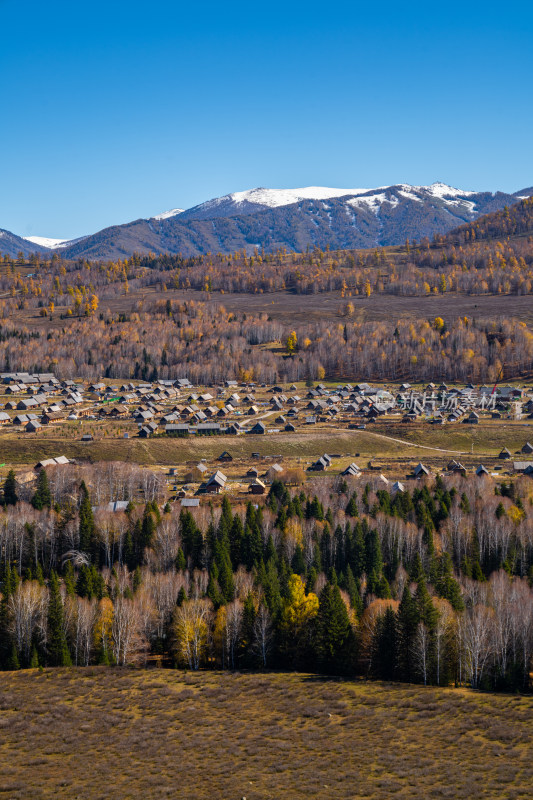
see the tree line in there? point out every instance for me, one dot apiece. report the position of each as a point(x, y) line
point(432, 584)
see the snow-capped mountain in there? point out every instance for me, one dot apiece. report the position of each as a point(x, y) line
point(253, 200)
point(291, 218)
point(298, 218)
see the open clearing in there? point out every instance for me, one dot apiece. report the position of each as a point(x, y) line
point(288, 307)
point(102, 732)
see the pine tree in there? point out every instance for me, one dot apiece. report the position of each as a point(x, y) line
point(10, 489)
point(357, 549)
point(416, 572)
point(353, 591)
point(181, 563)
point(13, 662)
point(34, 660)
point(213, 587)
point(137, 579)
point(334, 639)
point(148, 527)
point(42, 497)
point(298, 561)
point(426, 610)
point(5, 638)
point(86, 525)
point(374, 559)
point(407, 624)
point(225, 572)
point(192, 539)
point(236, 534)
point(58, 653)
point(69, 579)
point(385, 650)
point(84, 584)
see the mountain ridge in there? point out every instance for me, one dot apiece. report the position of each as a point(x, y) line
point(284, 218)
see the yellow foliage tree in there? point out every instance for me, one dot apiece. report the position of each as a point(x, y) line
point(299, 608)
point(191, 628)
point(292, 342)
point(103, 629)
point(515, 514)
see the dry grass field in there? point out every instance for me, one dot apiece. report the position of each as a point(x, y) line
point(99, 732)
point(288, 307)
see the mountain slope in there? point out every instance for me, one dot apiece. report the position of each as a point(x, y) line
point(295, 219)
point(514, 221)
point(12, 245)
point(385, 216)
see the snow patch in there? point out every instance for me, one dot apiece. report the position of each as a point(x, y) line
point(443, 190)
point(410, 196)
point(463, 205)
point(168, 214)
point(44, 241)
point(274, 198)
point(373, 201)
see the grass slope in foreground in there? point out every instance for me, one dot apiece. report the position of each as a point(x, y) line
point(102, 732)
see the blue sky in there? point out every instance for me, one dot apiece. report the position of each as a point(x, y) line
point(117, 110)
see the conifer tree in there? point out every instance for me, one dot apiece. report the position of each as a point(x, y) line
point(298, 561)
point(34, 660)
point(334, 639)
point(13, 662)
point(42, 497)
point(10, 489)
point(69, 579)
point(236, 533)
point(353, 591)
point(181, 563)
point(407, 624)
point(5, 638)
point(358, 550)
point(213, 588)
point(148, 527)
point(225, 572)
point(446, 585)
point(374, 558)
point(385, 651)
point(86, 527)
point(58, 654)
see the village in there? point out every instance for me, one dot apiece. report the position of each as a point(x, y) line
point(294, 430)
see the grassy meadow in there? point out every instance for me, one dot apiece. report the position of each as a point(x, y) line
point(103, 732)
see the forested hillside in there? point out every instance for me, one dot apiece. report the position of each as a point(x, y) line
point(516, 220)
